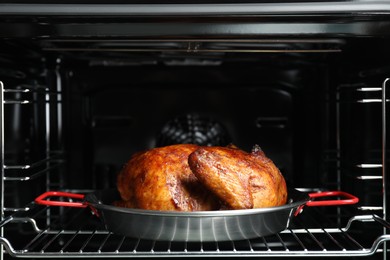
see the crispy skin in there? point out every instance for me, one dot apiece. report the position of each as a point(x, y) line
point(160, 179)
point(188, 177)
point(239, 179)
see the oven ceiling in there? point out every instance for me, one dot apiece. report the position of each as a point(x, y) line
point(170, 1)
point(337, 5)
point(207, 19)
point(192, 7)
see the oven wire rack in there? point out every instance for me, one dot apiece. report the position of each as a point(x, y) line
point(41, 232)
point(82, 234)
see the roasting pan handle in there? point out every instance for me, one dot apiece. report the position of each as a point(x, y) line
point(348, 199)
point(42, 199)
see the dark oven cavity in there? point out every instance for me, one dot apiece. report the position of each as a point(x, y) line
point(80, 94)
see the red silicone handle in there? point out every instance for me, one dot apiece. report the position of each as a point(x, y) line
point(348, 198)
point(42, 199)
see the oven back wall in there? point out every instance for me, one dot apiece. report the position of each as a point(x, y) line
point(116, 111)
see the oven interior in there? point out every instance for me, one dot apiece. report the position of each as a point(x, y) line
point(74, 110)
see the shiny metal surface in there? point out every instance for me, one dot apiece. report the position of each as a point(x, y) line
point(376, 7)
point(201, 226)
point(197, 228)
point(95, 242)
point(384, 145)
point(335, 19)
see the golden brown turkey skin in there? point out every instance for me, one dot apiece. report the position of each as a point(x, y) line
point(160, 179)
point(239, 179)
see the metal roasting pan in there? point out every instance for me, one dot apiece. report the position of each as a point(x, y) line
point(200, 226)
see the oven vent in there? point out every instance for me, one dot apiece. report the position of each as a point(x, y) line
point(193, 129)
point(197, 46)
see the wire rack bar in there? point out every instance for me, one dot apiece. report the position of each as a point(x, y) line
point(85, 241)
point(33, 175)
point(31, 165)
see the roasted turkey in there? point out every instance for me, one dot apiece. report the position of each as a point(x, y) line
point(161, 179)
point(239, 179)
point(187, 177)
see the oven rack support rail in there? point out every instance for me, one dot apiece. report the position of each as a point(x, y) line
point(47, 243)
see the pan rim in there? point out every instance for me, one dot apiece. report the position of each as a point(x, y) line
point(303, 199)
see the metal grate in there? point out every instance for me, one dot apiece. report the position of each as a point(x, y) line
point(76, 232)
